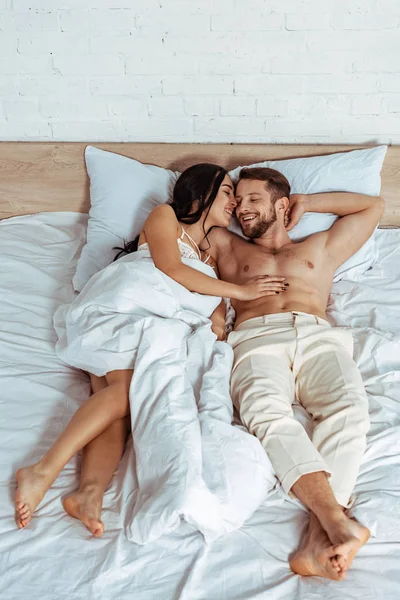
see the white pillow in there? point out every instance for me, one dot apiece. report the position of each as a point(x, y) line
point(123, 192)
point(357, 171)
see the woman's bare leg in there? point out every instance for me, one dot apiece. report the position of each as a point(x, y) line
point(101, 410)
point(100, 459)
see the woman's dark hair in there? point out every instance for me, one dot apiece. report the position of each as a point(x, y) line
point(194, 193)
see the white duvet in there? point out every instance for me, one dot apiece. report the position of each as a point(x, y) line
point(57, 558)
point(191, 463)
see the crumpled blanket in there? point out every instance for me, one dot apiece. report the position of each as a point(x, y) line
point(191, 463)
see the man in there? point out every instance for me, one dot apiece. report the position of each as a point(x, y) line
point(284, 347)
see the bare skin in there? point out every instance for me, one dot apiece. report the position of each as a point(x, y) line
point(328, 522)
point(333, 539)
point(85, 504)
point(275, 250)
point(317, 555)
point(161, 232)
point(308, 266)
point(309, 280)
point(99, 461)
point(101, 456)
point(101, 410)
point(31, 488)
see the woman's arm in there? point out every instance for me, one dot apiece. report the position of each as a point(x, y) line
point(218, 321)
point(218, 317)
point(162, 230)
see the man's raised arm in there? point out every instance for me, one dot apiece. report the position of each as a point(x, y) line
point(360, 214)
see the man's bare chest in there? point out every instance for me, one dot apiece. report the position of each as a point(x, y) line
point(245, 263)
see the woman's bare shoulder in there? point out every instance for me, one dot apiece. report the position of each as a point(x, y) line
point(163, 210)
point(161, 215)
point(162, 219)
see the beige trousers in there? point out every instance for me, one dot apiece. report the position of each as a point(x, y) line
point(283, 356)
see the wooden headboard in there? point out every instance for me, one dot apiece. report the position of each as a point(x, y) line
point(48, 176)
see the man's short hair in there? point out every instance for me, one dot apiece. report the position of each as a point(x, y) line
point(276, 183)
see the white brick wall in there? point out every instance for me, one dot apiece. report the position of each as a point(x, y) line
point(306, 71)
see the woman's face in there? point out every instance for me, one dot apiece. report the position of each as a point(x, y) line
point(223, 206)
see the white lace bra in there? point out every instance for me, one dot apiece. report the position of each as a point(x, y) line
point(186, 250)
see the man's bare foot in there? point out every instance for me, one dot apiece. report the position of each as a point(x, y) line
point(32, 485)
point(86, 504)
point(348, 536)
point(317, 557)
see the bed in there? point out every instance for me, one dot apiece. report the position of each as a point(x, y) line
point(56, 557)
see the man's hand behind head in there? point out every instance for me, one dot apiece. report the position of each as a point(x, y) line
point(297, 208)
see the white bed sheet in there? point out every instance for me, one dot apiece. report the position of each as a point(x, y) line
point(57, 558)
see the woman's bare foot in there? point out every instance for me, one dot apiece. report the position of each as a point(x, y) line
point(317, 557)
point(86, 504)
point(32, 485)
point(348, 536)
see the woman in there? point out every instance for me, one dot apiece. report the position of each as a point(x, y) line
point(203, 198)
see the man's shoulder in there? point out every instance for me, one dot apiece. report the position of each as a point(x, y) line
point(315, 239)
point(222, 242)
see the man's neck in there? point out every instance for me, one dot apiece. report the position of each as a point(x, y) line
point(274, 239)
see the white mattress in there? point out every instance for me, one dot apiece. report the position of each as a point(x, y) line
point(57, 558)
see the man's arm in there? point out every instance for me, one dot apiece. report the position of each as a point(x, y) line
point(360, 214)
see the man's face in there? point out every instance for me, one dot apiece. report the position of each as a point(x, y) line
point(255, 211)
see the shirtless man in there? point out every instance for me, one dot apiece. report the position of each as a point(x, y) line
point(284, 347)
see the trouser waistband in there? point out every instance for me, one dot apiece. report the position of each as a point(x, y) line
point(286, 317)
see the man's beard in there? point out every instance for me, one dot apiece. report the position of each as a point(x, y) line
point(260, 227)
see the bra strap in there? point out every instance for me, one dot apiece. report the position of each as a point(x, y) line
point(192, 241)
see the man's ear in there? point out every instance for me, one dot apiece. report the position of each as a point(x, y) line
point(282, 205)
